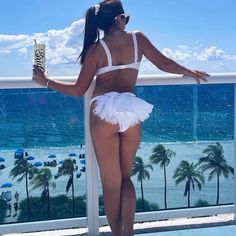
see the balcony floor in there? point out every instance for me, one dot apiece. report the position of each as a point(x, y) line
point(218, 225)
point(229, 230)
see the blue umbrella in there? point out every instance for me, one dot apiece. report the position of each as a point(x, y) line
point(30, 158)
point(52, 156)
point(56, 176)
point(19, 153)
point(78, 175)
point(72, 154)
point(2, 159)
point(61, 162)
point(38, 163)
point(82, 161)
point(7, 185)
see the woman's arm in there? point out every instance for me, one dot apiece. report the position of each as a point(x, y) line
point(78, 88)
point(166, 64)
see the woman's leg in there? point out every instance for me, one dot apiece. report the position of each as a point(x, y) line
point(129, 143)
point(106, 143)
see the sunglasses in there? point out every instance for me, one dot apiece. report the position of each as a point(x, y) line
point(124, 16)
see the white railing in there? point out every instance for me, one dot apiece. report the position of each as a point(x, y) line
point(93, 221)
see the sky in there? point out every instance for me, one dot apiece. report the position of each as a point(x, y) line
point(199, 34)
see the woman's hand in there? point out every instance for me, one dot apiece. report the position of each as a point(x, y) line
point(197, 75)
point(39, 76)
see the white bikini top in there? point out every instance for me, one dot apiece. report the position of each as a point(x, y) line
point(110, 67)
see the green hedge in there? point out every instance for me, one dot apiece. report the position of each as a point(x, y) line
point(60, 207)
point(201, 203)
point(148, 206)
point(3, 210)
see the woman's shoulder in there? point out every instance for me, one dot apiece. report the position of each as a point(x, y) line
point(93, 49)
point(141, 37)
point(139, 34)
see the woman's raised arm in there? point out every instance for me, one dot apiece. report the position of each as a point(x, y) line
point(166, 64)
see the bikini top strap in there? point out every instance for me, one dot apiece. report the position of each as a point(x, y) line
point(135, 47)
point(107, 51)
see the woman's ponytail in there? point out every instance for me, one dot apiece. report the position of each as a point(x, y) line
point(91, 32)
point(101, 16)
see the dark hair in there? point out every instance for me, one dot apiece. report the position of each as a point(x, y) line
point(103, 20)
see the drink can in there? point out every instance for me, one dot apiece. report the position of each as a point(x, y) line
point(39, 55)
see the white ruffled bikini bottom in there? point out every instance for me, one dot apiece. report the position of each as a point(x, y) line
point(124, 109)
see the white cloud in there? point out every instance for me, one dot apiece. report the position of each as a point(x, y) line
point(12, 38)
point(218, 66)
point(211, 53)
point(232, 57)
point(23, 50)
point(146, 67)
point(179, 55)
point(4, 51)
point(63, 46)
point(9, 43)
point(185, 52)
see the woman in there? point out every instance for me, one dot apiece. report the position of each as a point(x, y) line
point(116, 113)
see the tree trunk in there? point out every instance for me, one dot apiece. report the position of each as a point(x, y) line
point(189, 197)
point(48, 200)
point(142, 193)
point(27, 195)
point(218, 189)
point(73, 194)
point(165, 190)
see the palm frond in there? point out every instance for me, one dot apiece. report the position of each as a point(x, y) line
point(212, 174)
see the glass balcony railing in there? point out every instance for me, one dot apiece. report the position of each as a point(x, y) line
point(48, 169)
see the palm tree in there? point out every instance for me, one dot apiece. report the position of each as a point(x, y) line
point(26, 170)
point(216, 164)
point(191, 175)
point(140, 169)
point(43, 180)
point(162, 156)
point(68, 168)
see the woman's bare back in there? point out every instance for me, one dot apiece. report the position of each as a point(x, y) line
point(122, 53)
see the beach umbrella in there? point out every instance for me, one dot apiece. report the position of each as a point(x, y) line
point(82, 161)
point(61, 162)
point(30, 158)
point(19, 153)
point(7, 185)
point(56, 176)
point(2, 159)
point(52, 156)
point(78, 175)
point(38, 163)
point(72, 154)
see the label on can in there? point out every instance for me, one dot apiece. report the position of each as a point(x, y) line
point(39, 55)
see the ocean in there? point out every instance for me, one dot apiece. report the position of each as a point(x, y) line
point(185, 119)
point(40, 118)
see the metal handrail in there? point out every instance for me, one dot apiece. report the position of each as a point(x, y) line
point(161, 79)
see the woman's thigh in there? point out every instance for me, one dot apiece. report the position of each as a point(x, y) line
point(106, 142)
point(129, 143)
